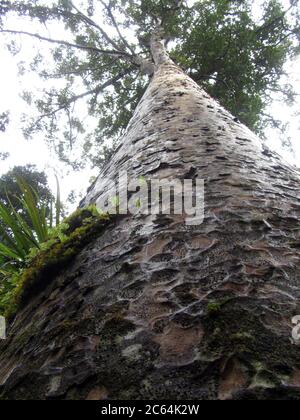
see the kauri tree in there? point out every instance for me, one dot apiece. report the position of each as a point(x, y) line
point(144, 306)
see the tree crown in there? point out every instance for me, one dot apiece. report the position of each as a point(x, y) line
point(102, 63)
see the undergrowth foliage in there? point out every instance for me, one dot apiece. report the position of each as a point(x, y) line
point(20, 232)
point(23, 230)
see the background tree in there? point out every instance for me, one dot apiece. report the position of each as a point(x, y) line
point(233, 48)
point(10, 190)
point(24, 225)
point(11, 194)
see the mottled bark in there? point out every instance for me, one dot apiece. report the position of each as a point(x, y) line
point(158, 49)
point(155, 309)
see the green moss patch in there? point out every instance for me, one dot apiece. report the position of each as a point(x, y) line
point(66, 242)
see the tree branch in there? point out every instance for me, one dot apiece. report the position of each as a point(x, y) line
point(113, 20)
point(289, 34)
point(68, 44)
point(95, 91)
point(279, 18)
point(80, 71)
point(90, 22)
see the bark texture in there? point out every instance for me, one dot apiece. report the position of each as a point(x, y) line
point(154, 309)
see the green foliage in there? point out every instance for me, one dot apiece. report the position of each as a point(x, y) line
point(17, 235)
point(22, 233)
point(237, 59)
point(10, 190)
point(42, 264)
point(236, 49)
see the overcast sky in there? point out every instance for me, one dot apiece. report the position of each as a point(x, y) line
point(23, 152)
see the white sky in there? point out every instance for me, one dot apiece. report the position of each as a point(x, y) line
point(33, 151)
point(36, 152)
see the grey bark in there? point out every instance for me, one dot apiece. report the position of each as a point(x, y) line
point(154, 309)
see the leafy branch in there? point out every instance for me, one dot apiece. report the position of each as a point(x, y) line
point(116, 26)
point(95, 91)
point(67, 44)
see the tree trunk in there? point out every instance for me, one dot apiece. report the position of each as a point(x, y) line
point(157, 309)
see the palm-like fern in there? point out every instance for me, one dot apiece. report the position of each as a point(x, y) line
point(20, 233)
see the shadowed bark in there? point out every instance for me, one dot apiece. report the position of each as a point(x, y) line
point(155, 309)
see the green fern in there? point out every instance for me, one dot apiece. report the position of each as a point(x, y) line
point(21, 233)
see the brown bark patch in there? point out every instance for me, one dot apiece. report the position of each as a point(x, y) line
point(156, 247)
point(257, 271)
point(239, 289)
point(202, 243)
point(232, 380)
point(151, 306)
point(178, 345)
point(295, 379)
point(97, 394)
